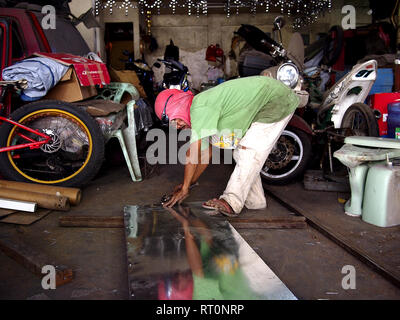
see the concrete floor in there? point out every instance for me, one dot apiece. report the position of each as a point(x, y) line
point(308, 263)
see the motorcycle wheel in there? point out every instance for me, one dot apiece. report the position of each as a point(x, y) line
point(72, 158)
point(288, 159)
point(361, 120)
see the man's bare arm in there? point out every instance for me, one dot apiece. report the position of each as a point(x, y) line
point(192, 160)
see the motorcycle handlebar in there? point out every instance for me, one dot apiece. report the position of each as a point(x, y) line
point(173, 64)
point(258, 39)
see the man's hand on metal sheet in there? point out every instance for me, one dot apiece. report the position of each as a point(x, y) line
point(177, 197)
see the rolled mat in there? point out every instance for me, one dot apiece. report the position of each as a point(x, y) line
point(74, 195)
point(43, 200)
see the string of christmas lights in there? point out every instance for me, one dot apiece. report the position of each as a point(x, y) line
point(303, 12)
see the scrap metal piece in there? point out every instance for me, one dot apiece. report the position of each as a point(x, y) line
point(91, 222)
point(159, 243)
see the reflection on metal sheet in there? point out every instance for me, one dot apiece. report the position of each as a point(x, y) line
point(183, 254)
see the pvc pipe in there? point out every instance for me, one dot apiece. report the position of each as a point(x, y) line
point(18, 205)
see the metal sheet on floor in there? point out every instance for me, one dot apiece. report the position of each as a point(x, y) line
point(184, 254)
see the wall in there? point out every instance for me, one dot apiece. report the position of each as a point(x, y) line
point(192, 34)
point(119, 16)
point(95, 37)
point(77, 8)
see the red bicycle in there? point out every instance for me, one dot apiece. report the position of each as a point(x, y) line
point(49, 142)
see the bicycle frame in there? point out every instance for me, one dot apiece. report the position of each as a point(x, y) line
point(32, 144)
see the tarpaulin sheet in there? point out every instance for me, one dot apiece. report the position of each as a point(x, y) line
point(41, 73)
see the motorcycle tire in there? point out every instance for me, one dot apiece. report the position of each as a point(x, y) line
point(289, 158)
point(361, 120)
point(331, 55)
point(72, 158)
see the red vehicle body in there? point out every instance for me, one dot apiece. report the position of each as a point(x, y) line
point(19, 29)
point(21, 36)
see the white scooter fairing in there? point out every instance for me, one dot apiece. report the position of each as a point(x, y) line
point(352, 88)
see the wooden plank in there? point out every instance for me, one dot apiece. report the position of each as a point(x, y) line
point(17, 250)
point(91, 222)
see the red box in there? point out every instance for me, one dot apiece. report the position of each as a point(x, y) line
point(89, 72)
point(79, 81)
point(380, 101)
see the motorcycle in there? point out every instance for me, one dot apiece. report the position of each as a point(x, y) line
point(342, 111)
point(175, 76)
point(289, 158)
point(144, 73)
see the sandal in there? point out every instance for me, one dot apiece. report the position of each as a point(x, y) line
point(220, 206)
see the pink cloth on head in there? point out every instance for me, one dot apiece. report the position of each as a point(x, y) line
point(178, 106)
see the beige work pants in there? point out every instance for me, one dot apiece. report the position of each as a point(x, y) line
point(244, 187)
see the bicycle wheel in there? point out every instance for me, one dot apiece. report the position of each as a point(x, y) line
point(72, 157)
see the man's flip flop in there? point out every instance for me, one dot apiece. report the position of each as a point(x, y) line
point(220, 206)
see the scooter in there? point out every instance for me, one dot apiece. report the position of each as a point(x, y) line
point(343, 104)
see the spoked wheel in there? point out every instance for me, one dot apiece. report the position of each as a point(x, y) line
point(360, 119)
point(288, 159)
point(71, 158)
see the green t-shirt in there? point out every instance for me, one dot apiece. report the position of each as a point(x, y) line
point(223, 279)
point(233, 106)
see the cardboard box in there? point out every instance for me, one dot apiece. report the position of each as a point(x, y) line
point(80, 80)
point(70, 90)
point(116, 55)
point(127, 76)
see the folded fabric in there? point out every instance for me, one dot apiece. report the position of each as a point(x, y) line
point(42, 75)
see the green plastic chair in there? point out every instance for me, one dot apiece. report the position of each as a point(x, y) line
point(127, 136)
